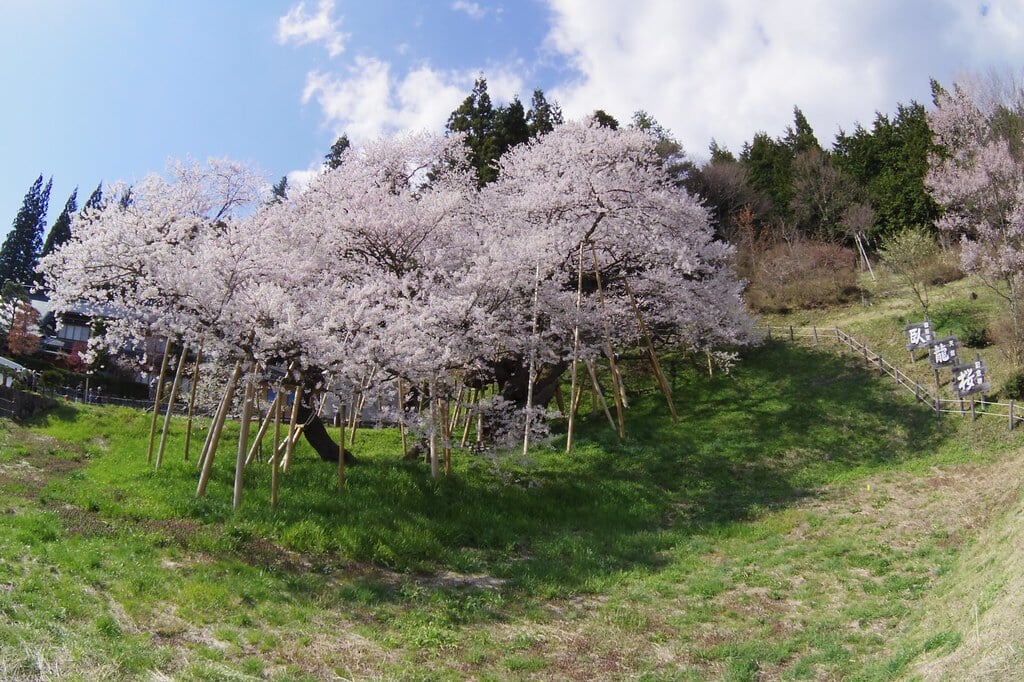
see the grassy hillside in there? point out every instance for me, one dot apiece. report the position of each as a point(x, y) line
point(802, 520)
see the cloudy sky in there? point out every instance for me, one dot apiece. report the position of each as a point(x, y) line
point(104, 90)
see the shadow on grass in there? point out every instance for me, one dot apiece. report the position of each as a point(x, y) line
point(788, 421)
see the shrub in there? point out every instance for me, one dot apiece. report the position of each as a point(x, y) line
point(963, 320)
point(1013, 387)
point(801, 273)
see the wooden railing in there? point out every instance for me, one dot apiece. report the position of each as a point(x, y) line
point(972, 406)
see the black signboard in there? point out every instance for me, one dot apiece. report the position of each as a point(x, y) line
point(944, 352)
point(968, 379)
point(919, 335)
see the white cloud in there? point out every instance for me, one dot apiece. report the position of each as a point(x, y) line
point(729, 68)
point(303, 28)
point(473, 9)
point(298, 180)
point(368, 101)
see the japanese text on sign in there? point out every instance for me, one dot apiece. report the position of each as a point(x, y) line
point(968, 379)
point(944, 352)
point(919, 335)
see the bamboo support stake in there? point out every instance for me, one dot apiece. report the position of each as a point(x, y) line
point(156, 403)
point(401, 417)
point(455, 416)
point(468, 416)
point(221, 406)
point(264, 425)
point(574, 369)
point(293, 432)
point(215, 430)
point(341, 445)
point(175, 385)
point(433, 431)
point(274, 479)
point(446, 441)
point(598, 394)
point(618, 391)
point(192, 400)
point(364, 386)
point(243, 442)
point(531, 377)
point(666, 390)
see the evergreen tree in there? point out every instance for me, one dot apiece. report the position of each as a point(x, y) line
point(476, 118)
point(605, 120)
point(510, 126)
point(95, 200)
point(61, 230)
point(891, 161)
point(335, 157)
point(20, 251)
point(768, 163)
point(279, 192)
point(800, 136)
point(543, 115)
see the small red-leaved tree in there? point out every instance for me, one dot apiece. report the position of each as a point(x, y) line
point(23, 337)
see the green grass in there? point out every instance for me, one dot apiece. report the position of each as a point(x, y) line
point(784, 527)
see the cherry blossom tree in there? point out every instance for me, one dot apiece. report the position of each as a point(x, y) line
point(605, 190)
point(393, 266)
point(978, 179)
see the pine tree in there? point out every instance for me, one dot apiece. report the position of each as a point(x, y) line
point(20, 251)
point(543, 115)
point(335, 157)
point(61, 230)
point(95, 199)
point(279, 192)
point(605, 120)
point(476, 118)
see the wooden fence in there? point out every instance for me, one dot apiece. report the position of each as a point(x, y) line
point(838, 338)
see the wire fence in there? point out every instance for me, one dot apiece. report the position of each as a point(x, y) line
point(79, 395)
point(972, 406)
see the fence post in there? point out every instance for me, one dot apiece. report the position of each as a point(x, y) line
point(791, 333)
point(769, 332)
point(837, 335)
point(815, 335)
point(881, 365)
point(1011, 414)
point(938, 406)
point(974, 414)
point(917, 392)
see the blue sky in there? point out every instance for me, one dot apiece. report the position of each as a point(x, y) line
point(106, 90)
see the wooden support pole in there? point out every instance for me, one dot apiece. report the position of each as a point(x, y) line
point(618, 392)
point(455, 415)
point(243, 441)
point(175, 385)
point(293, 432)
point(574, 368)
point(447, 441)
point(215, 431)
point(341, 444)
point(531, 376)
point(192, 400)
point(274, 458)
point(156, 402)
point(401, 417)
point(471, 407)
point(598, 394)
point(666, 390)
point(1011, 415)
point(434, 423)
point(264, 425)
